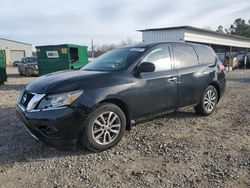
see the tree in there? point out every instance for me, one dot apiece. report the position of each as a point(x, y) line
point(240, 27)
point(220, 29)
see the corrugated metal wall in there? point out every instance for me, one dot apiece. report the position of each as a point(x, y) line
point(192, 35)
point(16, 55)
point(212, 38)
point(163, 35)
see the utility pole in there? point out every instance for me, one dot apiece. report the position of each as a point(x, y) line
point(92, 49)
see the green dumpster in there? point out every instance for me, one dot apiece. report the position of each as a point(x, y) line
point(3, 75)
point(54, 58)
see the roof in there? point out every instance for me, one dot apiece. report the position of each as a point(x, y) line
point(15, 41)
point(196, 29)
point(56, 45)
point(152, 44)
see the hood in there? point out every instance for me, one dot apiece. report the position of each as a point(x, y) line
point(65, 81)
point(32, 64)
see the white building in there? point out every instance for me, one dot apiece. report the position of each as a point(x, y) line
point(219, 41)
point(15, 51)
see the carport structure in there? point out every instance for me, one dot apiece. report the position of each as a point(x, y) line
point(221, 43)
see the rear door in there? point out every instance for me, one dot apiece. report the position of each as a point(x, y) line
point(192, 74)
point(156, 91)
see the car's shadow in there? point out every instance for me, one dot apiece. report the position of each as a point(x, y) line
point(180, 113)
point(15, 76)
point(17, 146)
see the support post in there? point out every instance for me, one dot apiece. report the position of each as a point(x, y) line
point(245, 60)
point(230, 59)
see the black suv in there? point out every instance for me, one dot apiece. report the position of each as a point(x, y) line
point(93, 107)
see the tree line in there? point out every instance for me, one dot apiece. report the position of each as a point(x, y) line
point(240, 27)
point(100, 49)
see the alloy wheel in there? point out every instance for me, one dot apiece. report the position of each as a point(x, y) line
point(106, 128)
point(210, 100)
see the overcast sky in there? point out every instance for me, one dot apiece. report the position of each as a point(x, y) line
point(77, 21)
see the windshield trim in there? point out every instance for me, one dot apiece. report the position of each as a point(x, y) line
point(125, 64)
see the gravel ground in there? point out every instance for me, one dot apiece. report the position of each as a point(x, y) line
point(175, 150)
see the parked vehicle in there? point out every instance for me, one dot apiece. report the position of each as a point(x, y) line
point(242, 62)
point(28, 66)
point(233, 62)
point(93, 107)
point(16, 63)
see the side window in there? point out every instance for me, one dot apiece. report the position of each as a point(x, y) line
point(22, 61)
point(205, 54)
point(185, 55)
point(160, 57)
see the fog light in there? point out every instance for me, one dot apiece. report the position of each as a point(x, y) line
point(48, 130)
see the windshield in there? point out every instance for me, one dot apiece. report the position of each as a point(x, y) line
point(114, 60)
point(30, 60)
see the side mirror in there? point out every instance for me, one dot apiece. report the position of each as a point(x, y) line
point(146, 67)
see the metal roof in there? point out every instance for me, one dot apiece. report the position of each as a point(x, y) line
point(197, 29)
point(15, 41)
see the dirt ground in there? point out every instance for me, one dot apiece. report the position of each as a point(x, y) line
point(176, 150)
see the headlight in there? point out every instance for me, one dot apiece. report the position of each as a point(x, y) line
point(59, 100)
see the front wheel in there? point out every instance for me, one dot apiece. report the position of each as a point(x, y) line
point(27, 73)
point(208, 101)
point(104, 128)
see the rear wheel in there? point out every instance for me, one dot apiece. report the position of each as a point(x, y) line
point(104, 128)
point(208, 101)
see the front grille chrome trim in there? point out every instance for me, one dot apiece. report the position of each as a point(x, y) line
point(34, 101)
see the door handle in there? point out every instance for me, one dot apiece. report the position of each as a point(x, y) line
point(171, 79)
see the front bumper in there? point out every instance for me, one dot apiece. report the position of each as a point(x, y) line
point(33, 71)
point(59, 128)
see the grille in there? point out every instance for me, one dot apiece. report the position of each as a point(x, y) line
point(26, 98)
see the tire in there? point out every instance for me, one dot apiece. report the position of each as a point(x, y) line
point(19, 72)
point(208, 101)
point(99, 126)
point(27, 73)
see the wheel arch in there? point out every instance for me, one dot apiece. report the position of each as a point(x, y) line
point(123, 106)
point(217, 87)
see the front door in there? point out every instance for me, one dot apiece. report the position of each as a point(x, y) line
point(156, 92)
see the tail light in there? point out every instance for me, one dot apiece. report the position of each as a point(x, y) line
point(222, 68)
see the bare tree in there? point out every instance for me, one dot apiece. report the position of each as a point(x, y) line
point(101, 49)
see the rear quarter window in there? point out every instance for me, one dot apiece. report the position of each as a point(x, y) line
point(205, 54)
point(185, 55)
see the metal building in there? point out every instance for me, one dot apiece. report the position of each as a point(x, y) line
point(193, 34)
point(14, 50)
point(226, 46)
